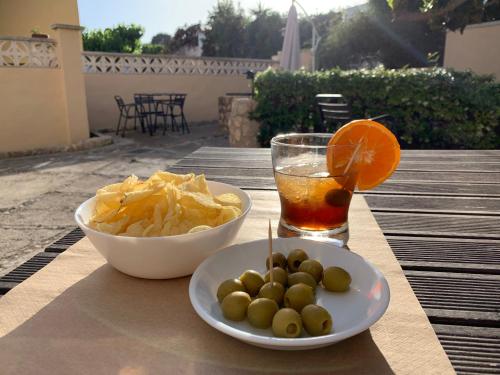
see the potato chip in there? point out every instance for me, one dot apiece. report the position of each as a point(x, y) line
point(148, 232)
point(165, 204)
point(198, 200)
point(199, 228)
point(173, 178)
point(111, 228)
point(229, 213)
point(196, 185)
point(228, 199)
point(135, 230)
point(129, 183)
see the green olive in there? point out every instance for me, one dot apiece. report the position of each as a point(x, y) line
point(234, 305)
point(253, 281)
point(294, 259)
point(317, 320)
point(336, 279)
point(278, 259)
point(279, 274)
point(287, 323)
point(229, 286)
point(261, 311)
point(298, 296)
point(301, 277)
point(312, 267)
point(276, 291)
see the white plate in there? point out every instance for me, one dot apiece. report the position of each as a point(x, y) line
point(352, 312)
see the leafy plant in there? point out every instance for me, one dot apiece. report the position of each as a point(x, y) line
point(225, 31)
point(428, 108)
point(164, 40)
point(263, 34)
point(449, 14)
point(152, 49)
point(121, 38)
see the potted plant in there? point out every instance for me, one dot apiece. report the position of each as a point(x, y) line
point(35, 33)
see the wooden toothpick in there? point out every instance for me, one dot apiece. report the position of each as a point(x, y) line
point(271, 278)
point(354, 155)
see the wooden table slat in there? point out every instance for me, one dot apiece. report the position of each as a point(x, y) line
point(431, 254)
point(439, 225)
point(441, 204)
point(224, 162)
point(418, 158)
point(404, 153)
point(437, 189)
point(398, 176)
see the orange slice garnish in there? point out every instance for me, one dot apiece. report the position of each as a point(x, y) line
point(377, 156)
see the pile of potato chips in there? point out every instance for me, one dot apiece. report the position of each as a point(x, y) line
point(165, 204)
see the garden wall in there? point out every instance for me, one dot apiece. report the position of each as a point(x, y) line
point(32, 110)
point(202, 79)
point(40, 107)
point(477, 49)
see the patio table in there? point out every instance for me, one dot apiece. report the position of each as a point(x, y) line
point(439, 214)
point(157, 102)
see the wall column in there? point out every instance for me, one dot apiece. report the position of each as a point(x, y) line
point(69, 42)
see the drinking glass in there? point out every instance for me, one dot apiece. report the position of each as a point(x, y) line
point(315, 183)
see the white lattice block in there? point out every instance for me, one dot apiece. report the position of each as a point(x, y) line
point(95, 62)
point(28, 53)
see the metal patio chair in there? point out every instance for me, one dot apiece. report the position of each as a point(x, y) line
point(127, 111)
point(148, 110)
point(164, 105)
point(177, 111)
point(333, 111)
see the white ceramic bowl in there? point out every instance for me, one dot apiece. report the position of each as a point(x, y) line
point(353, 311)
point(163, 257)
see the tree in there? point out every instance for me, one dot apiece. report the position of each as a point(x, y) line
point(448, 14)
point(225, 31)
point(121, 38)
point(263, 34)
point(322, 21)
point(186, 36)
point(162, 39)
point(372, 37)
point(152, 49)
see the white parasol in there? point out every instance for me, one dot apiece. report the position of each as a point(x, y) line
point(290, 53)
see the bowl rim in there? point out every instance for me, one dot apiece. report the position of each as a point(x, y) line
point(85, 227)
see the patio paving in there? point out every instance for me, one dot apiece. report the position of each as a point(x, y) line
point(40, 193)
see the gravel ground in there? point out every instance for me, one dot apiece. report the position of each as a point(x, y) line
point(38, 194)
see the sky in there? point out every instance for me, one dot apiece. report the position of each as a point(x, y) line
point(167, 15)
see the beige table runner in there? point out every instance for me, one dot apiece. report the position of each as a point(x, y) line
point(80, 316)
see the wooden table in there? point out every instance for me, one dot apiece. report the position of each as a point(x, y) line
point(439, 212)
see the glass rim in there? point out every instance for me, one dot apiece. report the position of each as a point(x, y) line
point(277, 140)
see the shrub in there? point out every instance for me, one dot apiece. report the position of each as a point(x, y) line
point(152, 49)
point(428, 108)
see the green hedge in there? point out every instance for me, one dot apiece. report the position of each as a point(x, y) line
point(429, 108)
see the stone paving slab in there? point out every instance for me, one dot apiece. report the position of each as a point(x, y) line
point(39, 194)
point(24, 187)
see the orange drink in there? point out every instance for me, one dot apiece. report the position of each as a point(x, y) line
point(314, 203)
point(316, 174)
